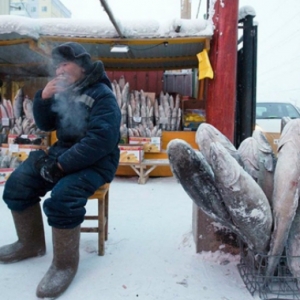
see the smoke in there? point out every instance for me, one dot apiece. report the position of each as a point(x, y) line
point(73, 115)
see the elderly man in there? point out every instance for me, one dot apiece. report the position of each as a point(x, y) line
point(80, 105)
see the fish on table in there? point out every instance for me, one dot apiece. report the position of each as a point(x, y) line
point(246, 202)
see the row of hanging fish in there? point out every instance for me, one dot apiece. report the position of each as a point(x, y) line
point(140, 110)
point(19, 114)
point(137, 108)
point(6, 109)
point(249, 190)
point(121, 91)
point(167, 112)
point(22, 107)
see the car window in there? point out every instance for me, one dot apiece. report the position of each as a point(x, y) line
point(259, 111)
point(292, 112)
point(276, 111)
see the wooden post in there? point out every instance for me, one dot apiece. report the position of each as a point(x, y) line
point(220, 112)
point(221, 91)
point(186, 9)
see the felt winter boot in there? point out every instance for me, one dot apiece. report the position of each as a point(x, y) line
point(64, 264)
point(30, 233)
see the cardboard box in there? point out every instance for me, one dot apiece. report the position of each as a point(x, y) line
point(131, 153)
point(4, 174)
point(193, 114)
point(32, 139)
point(151, 144)
point(192, 118)
point(273, 138)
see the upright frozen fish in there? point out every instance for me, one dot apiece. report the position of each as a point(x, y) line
point(18, 104)
point(197, 179)
point(267, 164)
point(286, 190)
point(207, 134)
point(292, 250)
point(28, 108)
point(246, 202)
point(248, 151)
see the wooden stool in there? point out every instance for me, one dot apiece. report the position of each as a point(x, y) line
point(102, 195)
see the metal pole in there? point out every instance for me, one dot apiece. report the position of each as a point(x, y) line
point(247, 80)
point(112, 18)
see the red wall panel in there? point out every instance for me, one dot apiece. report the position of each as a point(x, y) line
point(151, 81)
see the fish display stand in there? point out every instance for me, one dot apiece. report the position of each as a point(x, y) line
point(282, 285)
point(210, 236)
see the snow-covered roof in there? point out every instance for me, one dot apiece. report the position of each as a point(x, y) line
point(153, 44)
point(151, 28)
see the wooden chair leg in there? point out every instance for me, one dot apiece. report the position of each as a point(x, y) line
point(106, 214)
point(102, 196)
point(101, 231)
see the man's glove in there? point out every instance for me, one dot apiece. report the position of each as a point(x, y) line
point(49, 169)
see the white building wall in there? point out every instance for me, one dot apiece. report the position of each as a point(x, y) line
point(39, 8)
point(4, 7)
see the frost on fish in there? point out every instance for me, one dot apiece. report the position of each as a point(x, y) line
point(267, 164)
point(286, 191)
point(246, 202)
point(293, 246)
point(196, 177)
point(248, 151)
point(206, 134)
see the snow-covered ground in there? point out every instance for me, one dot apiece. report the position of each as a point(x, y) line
point(150, 252)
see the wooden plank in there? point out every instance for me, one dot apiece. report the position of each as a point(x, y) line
point(145, 167)
point(155, 162)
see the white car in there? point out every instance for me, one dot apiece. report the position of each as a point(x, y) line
point(269, 115)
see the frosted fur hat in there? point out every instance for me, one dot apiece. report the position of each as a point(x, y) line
point(74, 52)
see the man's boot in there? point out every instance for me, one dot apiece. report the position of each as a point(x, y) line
point(30, 232)
point(64, 264)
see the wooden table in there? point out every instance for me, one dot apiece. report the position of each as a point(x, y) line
point(145, 167)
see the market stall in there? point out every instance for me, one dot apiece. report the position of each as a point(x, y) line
point(152, 48)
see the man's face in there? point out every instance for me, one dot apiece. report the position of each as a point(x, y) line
point(69, 72)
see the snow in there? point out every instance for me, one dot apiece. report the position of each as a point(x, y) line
point(149, 28)
point(150, 252)
point(246, 11)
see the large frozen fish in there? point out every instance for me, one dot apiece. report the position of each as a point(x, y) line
point(196, 177)
point(284, 121)
point(246, 202)
point(286, 190)
point(206, 134)
point(248, 151)
point(292, 249)
point(267, 164)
